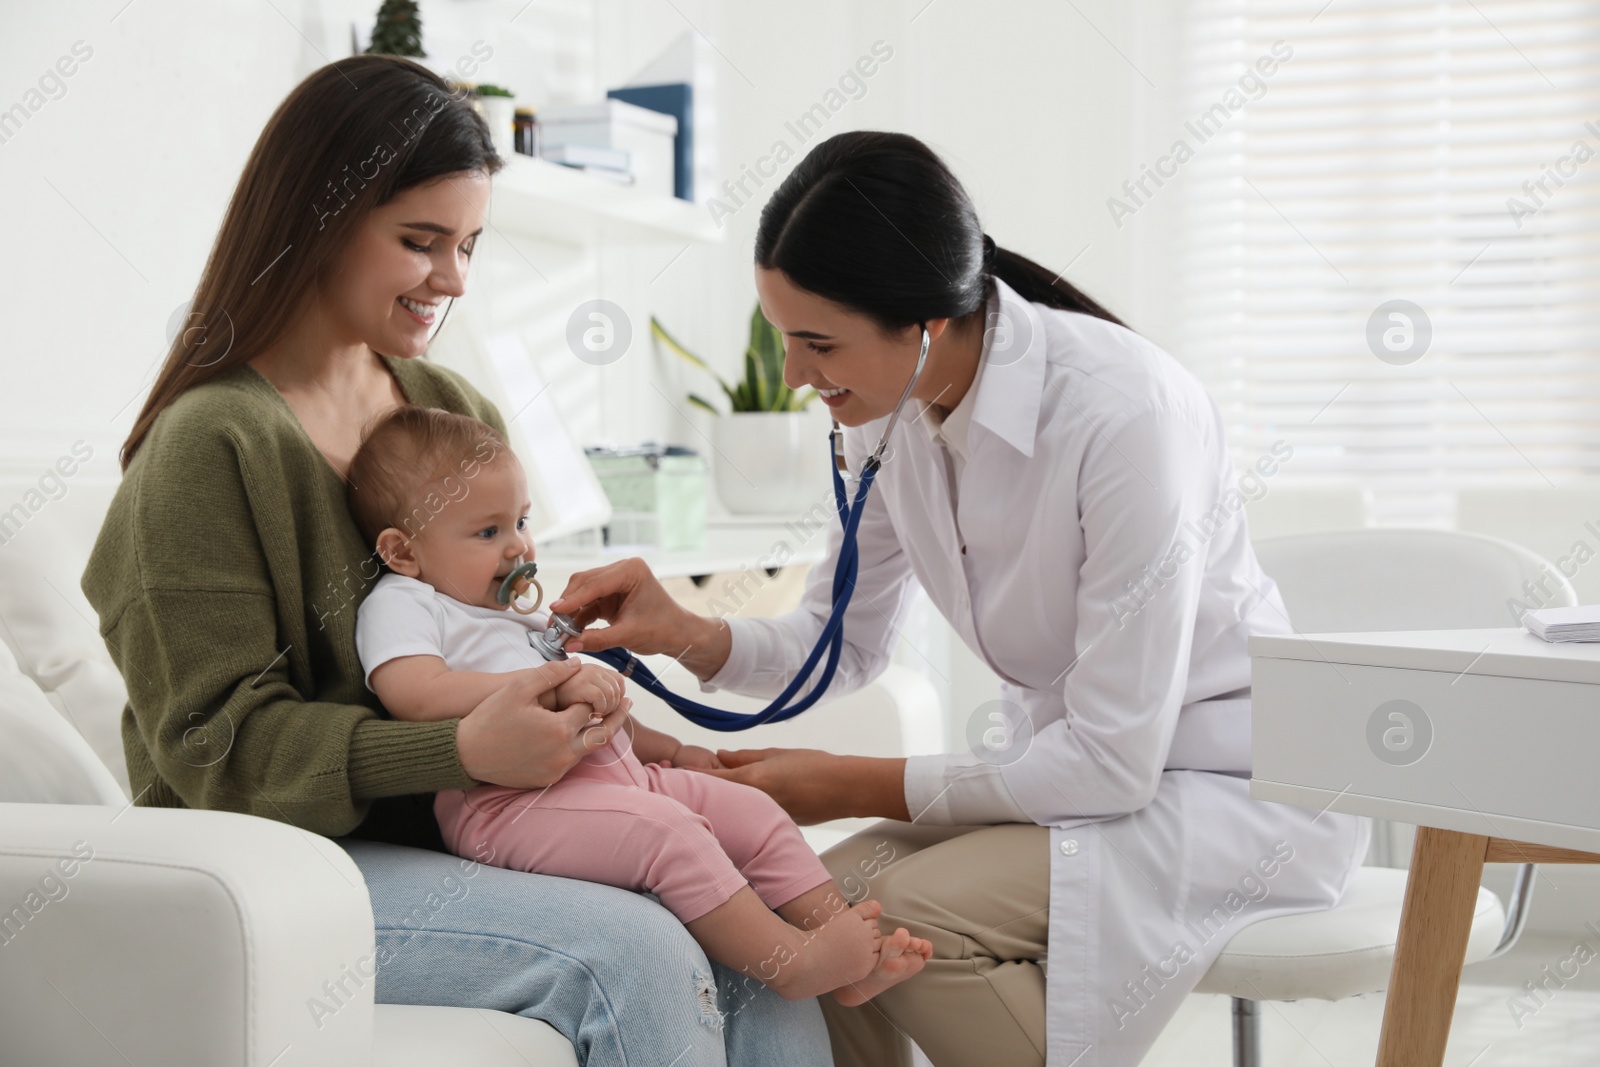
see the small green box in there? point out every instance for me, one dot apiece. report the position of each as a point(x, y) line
point(657, 495)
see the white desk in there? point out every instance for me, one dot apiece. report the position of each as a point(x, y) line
point(733, 543)
point(1486, 739)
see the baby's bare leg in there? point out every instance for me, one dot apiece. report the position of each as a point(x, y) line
point(899, 954)
point(820, 944)
point(744, 934)
point(812, 909)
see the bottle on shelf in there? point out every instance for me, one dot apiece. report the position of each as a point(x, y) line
point(526, 136)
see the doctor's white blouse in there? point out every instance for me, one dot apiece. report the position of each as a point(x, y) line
point(1076, 520)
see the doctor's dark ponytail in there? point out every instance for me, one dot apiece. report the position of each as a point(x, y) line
point(876, 222)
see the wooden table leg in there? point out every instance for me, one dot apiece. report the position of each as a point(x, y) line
point(1441, 893)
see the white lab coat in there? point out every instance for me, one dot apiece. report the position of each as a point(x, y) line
point(1108, 578)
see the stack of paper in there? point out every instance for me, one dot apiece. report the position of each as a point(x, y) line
point(1581, 623)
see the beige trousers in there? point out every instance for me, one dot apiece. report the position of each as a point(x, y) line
point(981, 894)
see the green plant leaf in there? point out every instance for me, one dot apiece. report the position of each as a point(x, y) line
point(701, 402)
point(659, 332)
point(762, 387)
point(757, 382)
point(766, 342)
point(656, 330)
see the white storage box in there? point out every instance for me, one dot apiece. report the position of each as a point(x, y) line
point(647, 135)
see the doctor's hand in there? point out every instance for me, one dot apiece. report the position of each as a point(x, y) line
point(814, 786)
point(641, 616)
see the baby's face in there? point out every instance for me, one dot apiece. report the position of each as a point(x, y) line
point(474, 542)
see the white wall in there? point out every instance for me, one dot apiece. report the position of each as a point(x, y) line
point(1039, 115)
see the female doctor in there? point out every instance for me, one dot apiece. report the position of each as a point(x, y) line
point(1062, 491)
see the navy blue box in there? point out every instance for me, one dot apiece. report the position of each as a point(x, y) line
point(675, 99)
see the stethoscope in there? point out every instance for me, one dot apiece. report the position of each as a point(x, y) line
point(551, 642)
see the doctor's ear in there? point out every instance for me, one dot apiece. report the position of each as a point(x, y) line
point(935, 327)
point(394, 548)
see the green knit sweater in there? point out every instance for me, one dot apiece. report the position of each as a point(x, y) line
point(227, 577)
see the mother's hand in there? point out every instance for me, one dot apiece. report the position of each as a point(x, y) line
point(511, 739)
point(641, 616)
point(815, 786)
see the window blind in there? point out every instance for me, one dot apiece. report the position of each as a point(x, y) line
point(1444, 155)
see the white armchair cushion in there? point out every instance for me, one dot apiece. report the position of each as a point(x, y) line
point(43, 760)
point(150, 935)
point(47, 621)
point(408, 1035)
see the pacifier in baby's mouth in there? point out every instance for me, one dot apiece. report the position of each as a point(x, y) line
point(516, 585)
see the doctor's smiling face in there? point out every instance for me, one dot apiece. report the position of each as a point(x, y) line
point(858, 367)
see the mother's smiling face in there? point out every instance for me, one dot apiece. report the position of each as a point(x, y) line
point(390, 282)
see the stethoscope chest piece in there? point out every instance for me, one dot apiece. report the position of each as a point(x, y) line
point(516, 585)
point(551, 641)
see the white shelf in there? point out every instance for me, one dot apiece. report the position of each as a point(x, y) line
point(537, 198)
point(730, 546)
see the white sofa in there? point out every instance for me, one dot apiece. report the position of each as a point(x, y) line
point(132, 934)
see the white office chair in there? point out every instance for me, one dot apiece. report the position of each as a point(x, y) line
point(1381, 579)
point(1551, 520)
point(1298, 509)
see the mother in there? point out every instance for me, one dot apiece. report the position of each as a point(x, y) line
point(228, 572)
point(1065, 499)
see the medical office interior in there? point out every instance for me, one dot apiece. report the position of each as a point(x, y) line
point(1371, 229)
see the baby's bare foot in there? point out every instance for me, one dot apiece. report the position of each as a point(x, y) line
point(845, 950)
point(899, 957)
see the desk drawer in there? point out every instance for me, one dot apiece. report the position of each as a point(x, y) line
point(1511, 757)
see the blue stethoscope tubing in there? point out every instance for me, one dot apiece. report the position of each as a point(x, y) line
point(831, 640)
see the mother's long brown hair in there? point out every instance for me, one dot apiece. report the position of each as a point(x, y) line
point(351, 137)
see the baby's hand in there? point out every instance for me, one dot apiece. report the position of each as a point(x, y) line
point(694, 757)
point(593, 684)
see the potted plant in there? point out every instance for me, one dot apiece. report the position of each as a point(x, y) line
point(397, 30)
point(498, 109)
point(766, 464)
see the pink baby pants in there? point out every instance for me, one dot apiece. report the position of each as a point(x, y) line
point(692, 839)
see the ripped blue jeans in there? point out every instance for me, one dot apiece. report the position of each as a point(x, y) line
point(612, 970)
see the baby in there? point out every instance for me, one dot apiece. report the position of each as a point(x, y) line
point(435, 641)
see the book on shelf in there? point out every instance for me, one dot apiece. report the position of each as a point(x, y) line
point(584, 155)
point(616, 177)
